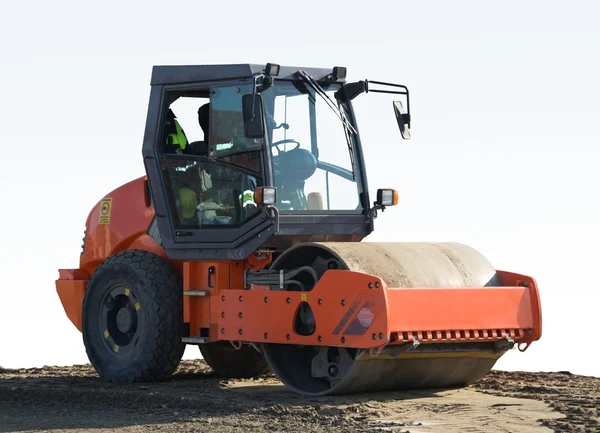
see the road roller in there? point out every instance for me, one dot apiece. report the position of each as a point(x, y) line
point(247, 236)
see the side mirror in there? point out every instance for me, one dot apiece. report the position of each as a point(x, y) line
point(403, 120)
point(252, 110)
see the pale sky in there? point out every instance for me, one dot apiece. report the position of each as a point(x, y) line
point(504, 155)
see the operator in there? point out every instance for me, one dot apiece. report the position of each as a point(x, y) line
point(176, 141)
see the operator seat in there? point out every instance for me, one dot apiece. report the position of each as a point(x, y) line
point(294, 167)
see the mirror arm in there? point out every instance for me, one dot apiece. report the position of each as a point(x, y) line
point(372, 214)
point(273, 213)
point(350, 91)
point(376, 207)
point(255, 89)
point(401, 92)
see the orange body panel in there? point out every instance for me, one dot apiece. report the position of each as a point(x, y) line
point(357, 310)
point(197, 310)
point(71, 292)
point(216, 277)
point(71, 295)
point(117, 222)
point(268, 315)
point(512, 279)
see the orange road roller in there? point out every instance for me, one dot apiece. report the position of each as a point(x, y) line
point(246, 237)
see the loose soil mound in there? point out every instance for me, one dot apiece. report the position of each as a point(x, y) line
point(74, 399)
point(577, 397)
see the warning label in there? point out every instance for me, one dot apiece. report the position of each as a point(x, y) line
point(105, 208)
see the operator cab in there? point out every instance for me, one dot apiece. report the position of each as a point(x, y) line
point(307, 148)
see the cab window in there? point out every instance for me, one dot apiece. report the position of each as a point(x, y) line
point(211, 181)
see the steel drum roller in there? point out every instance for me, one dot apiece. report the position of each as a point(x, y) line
point(329, 370)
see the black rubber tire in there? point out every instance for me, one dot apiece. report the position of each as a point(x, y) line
point(226, 361)
point(159, 292)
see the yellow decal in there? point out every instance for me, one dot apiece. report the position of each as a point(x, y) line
point(106, 334)
point(137, 306)
point(116, 348)
point(126, 292)
point(105, 209)
point(303, 296)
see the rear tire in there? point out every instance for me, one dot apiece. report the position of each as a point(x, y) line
point(133, 318)
point(226, 361)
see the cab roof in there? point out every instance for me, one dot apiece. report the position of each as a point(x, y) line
point(173, 74)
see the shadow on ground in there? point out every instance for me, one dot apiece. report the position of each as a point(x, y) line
point(67, 398)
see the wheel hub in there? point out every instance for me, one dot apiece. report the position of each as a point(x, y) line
point(120, 322)
point(124, 320)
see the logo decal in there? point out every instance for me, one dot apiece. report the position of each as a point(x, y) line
point(357, 302)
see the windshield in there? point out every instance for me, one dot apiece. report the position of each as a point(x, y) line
point(313, 168)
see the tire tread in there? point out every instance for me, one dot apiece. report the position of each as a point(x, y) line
point(162, 349)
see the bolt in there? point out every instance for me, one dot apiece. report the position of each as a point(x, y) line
point(370, 285)
point(288, 300)
point(333, 370)
point(241, 298)
point(320, 302)
point(223, 314)
point(266, 299)
point(374, 336)
point(240, 315)
point(343, 339)
point(525, 284)
point(377, 284)
point(241, 331)
point(343, 302)
point(381, 335)
point(223, 298)
point(222, 330)
point(266, 335)
point(320, 338)
point(288, 336)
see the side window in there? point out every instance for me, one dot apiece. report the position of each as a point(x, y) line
point(185, 123)
point(227, 122)
point(210, 169)
point(209, 193)
point(292, 116)
point(186, 112)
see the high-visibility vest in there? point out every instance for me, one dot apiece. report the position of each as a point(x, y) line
point(177, 137)
point(247, 198)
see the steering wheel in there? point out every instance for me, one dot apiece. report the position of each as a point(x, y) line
point(287, 140)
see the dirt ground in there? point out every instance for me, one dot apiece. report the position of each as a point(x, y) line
point(74, 399)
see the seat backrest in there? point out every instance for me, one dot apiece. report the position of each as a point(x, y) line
point(314, 201)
